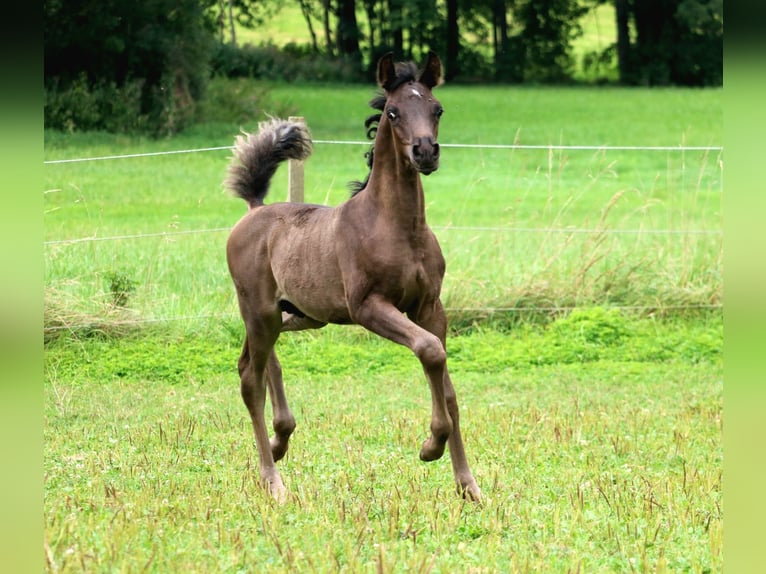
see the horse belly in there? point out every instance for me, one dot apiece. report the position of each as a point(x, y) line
point(307, 274)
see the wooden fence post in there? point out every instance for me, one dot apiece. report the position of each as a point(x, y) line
point(295, 174)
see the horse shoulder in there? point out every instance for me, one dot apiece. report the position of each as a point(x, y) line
point(432, 253)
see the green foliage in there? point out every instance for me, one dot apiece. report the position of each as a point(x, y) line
point(598, 66)
point(161, 356)
point(583, 336)
point(144, 68)
point(584, 333)
point(290, 63)
point(238, 102)
point(125, 66)
point(677, 42)
point(121, 286)
point(474, 66)
point(548, 29)
point(83, 106)
point(589, 335)
point(700, 58)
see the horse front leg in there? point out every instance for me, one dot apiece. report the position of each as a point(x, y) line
point(384, 319)
point(434, 320)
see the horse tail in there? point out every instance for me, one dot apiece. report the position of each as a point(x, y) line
point(257, 156)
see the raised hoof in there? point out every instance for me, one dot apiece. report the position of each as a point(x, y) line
point(432, 449)
point(278, 448)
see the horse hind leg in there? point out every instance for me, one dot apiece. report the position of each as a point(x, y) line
point(283, 420)
point(254, 381)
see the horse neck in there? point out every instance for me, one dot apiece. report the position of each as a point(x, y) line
point(394, 185)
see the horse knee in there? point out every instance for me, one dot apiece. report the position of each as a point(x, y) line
point(430, 351)
point(284, 426)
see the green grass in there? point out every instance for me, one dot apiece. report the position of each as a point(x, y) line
point(596, 437)
point(510, 221)
point(596, 441)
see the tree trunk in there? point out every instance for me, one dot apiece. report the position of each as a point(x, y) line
point(500, 36)
point(326, 5)
point(397, 33)
point(221, 20)
point(369, 8)
point(656, 40)
point(453, 41)
point(348, 29)
point(306, 11)
point(231, 23)
point(622, 16)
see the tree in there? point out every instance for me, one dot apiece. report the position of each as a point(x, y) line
point(149, 56)
point(228, 14)
point(676, 42)
point(453, 41)
point(548, 29)
point(622, 16)
point(348, 30)
point(506, 60)
point(307, 11)
point(700, 61)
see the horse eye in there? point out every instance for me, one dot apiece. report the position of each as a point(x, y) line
point(391, 113)
point(439, 111)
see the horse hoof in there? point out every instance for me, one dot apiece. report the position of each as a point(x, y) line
point(278, 449)
point(276, 489)
point(280, 495)
point(431, 450)
point(471, 492)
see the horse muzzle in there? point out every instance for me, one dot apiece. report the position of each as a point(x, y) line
point(425, 155)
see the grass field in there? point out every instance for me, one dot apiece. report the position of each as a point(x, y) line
point(546, 228)
point(597, 443)
point(595, 435)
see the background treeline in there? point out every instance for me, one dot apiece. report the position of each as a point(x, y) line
point(129, 66)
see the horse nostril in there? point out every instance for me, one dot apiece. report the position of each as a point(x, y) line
point(436, 150)
point(416, 151)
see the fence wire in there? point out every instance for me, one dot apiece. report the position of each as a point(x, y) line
point(489, 229)
point(445, 145)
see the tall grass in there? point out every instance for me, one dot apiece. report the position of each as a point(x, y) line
point(520, 228)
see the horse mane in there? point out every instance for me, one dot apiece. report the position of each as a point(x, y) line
point(405, 72)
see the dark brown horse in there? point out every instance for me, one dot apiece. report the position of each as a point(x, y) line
point(369, 261)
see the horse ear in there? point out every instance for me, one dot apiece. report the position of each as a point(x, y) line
point(432, 73)
point(386, 70)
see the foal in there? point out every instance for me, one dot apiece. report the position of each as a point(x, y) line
point(369, 261)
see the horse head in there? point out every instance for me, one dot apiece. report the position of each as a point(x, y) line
point(411, 110)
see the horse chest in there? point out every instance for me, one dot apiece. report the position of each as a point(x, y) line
point(405, 274)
